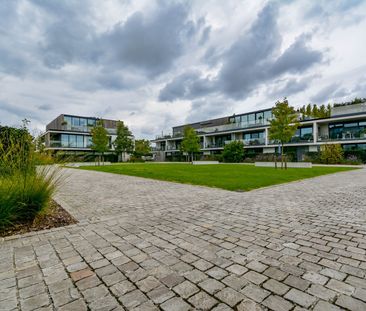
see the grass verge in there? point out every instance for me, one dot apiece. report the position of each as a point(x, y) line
point(226, 176)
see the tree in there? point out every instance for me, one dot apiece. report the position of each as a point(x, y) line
point(284, 124)
point(100, 139)
point(331, 154)
point(309, 110)
point(191, 142)
point(233, 152)
point(123, 143)
point(142, 148)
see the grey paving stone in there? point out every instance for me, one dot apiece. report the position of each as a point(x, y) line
point(276, 287)
point(160, 294)
point(322, 292)
point(301, 298)
point(211, 286)
point(186, 289)
point(326, 306)
point(175, 304)
point(203, 301)
point(133, 299)
point(255, 293)
point(35, 302)
point(350, 303)
point(340, 287)
point(277, 303)
point(255, 277)
point(229, 296)
point(78, 305)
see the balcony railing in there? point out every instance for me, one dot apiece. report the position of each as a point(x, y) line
point(343, 137)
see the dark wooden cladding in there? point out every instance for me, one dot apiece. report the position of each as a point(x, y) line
point(57, 124)
point(203, 124)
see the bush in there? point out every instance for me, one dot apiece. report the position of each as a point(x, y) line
point(134, 159)
point(25, 190)
point(233, 152)
point(331, 154)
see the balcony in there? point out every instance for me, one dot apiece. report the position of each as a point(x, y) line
point(162, 148)
point(249, 142)
point(233, 126)
point(343, 137)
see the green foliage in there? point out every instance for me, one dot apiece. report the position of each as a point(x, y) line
point(283, 125)
point(191, 142)
point(142, 148)
point(233, 152)
point(315, 112)
point(331, 154)
point(353, 102)
point(25, 190)
point(100, 139)
point(124, 141)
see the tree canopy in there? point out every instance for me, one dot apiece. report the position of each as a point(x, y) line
point(284, 124)
point(142, 147)
point(233, 152)
point(100, 139)
point(123, 141)
point(191, 142)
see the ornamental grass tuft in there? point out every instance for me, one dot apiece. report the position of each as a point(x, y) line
point(25, 189)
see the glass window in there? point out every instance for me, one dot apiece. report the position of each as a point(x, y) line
point(351, 124)
point(72, 141)
point(82, 122)
point(306, 131)
point(255, 135)
point(67, 119)
point(91, 122)
point(247, 136)
point(80, 141)
point(251, 118)
point(244, 118)
point(232, 119)
point(261, 134)
point(267, 115)
point(362, 123)
point(237, 119)
point(89, 141)
point(259, 117)
point(64, 140)
point(75, 121)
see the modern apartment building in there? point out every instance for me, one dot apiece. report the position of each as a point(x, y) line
point(73, 133)
point(346, 126)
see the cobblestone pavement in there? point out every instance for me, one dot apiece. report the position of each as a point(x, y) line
point(150, 245)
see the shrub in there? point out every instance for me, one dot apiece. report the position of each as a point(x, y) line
point(233, 152)
point(25, 190)
point(331, 154)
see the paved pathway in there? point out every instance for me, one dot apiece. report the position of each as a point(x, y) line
point(150, 245)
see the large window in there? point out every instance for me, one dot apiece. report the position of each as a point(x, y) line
point(75, 141)
point(303, 134)
point(348, 130)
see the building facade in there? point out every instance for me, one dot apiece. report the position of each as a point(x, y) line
point(346, 126)
point(73, 133)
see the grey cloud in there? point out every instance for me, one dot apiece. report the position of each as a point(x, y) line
point(330, 92)
point(297, 58)
point(291, 86)
point(250, 61)
point(149, 43)
point(207, 109)
point(189, 85)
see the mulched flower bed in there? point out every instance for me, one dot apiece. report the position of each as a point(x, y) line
point(55, 217)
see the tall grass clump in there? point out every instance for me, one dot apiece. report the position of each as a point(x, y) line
point(25, 189)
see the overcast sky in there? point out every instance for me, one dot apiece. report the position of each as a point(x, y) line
point(157, 64)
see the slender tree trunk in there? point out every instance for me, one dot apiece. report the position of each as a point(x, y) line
point(281, 156)
point(275, 158)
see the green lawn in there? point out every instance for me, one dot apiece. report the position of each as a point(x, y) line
point(225, 176)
